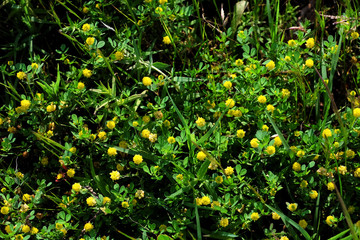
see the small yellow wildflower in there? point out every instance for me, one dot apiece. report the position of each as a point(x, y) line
point(270, 108)
point(21, 75)
point(227, 84)
point(357, 172)
point(200, 122)
point(115, 175)
point(330, 220)
point(300, 153)
point(86, 27)
point(342, 169)
point(166, 39)
point(265, 128)
point(254, 143)
point(91, 201)
point(34, 231)
point(26, 197)
point(88, 227)
point(285, 93)
point(201, 156)
point(261, 99)
point(310, 43)
point(326, 133)
point(313, 194)
point(270, 150)
point(292, 43)
point(255, 216)
point(180, 177)
point(303, 183)
point(145, 133)
point(70, 172)
point(146, 81)
point(303, 223)
point(284, 238)
point(277, 141)
point(112, 152)
point(163, 1)
point(309, 63)
point(356, 112)
point(239, 62)
point(355, 35)
point(224, 222)
point(102, 135)
point(330, 186)
point(240, 133)
point(140, 194)
point(296, 166)
point(34, 66)
point(90, 41)
point(205, 200)
point(87, 73)
point(125, 204)
point(171, 140)
point(292, 206)
point(25, 229)
point(230, 103)
point(228, 171)
point(219, 179)
point(287, 59)
point(4, 210)
point(275, 216)
point(106, 200)
point(76, 187)
point(111, 124)
point(137, 159)
point(119, 55)
point(270, 65)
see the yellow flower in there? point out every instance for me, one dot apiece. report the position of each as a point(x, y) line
point(224, 222)
point(330, 220)
point(228, 171)
point(201, 156)
point(102, 135)
point(291, 43)
point(158, 10)
point(277, 141)
point(112, 152)
point(300, 153)
point(350, 154)
point(296, 166)
point(25, 104)
point(219, 179)
point(239, 62)
point(326, 133)
point(8, 229)
point(284, 238)
point(163, 1)
point(200, 122)
point(310, 43)
point(119, 167)
point(179, 177)
point(285, 93)
point(255, 216)
point(240, 133)
point(139, 194)
point(88, 227)
point(171, 140)
point(303, 184)
point(119, 55)
point(261, 99)
point(309, 63)
point(265, 128)
point(34, 65)
point(86, 27)
point(287, 59)
point(254, 143)
point(85, 10)
point(106, 200)
point(90, 41)
point(135, 123)
point(72, 150)
point(356, 112)
point(152, 137)
point(330, 186)
point(145, 133)
point(146, 119)
point(125, 204)
point(76, 187)
point(270, 65)
point(270, 150)
point(115, 175)
point(34, 230)
point(342, 169)
point(230, 103)
point(303, 223)
point(19, 237)
point(71, 172)
point(4, 210)
point(110, 124)
point(91, 201)
point(292, 206)
point(237, 113)
point(87, 73)
point(313, 194)
point(355, 35)
point(227, 84)
point(25, 229)
point(21, 75)
point(166, 39)
point(275, 216)
point(357, 172)
point(146, 81)
point(26, 197)
point(205, 200)
point(59, 226)
point(80, 85)
point(137, 159)
point(270, 108)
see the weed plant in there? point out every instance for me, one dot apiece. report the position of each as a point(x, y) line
point(173, 119)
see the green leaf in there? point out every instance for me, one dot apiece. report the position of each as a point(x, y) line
point(203, 169)
point(163, 237)
point(100, 44)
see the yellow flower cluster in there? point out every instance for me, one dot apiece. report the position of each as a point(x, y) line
point(115, 175)
point(146, 81)
point(270, 65)
point(200, 122)
point(201, 156)
point(137, 159)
